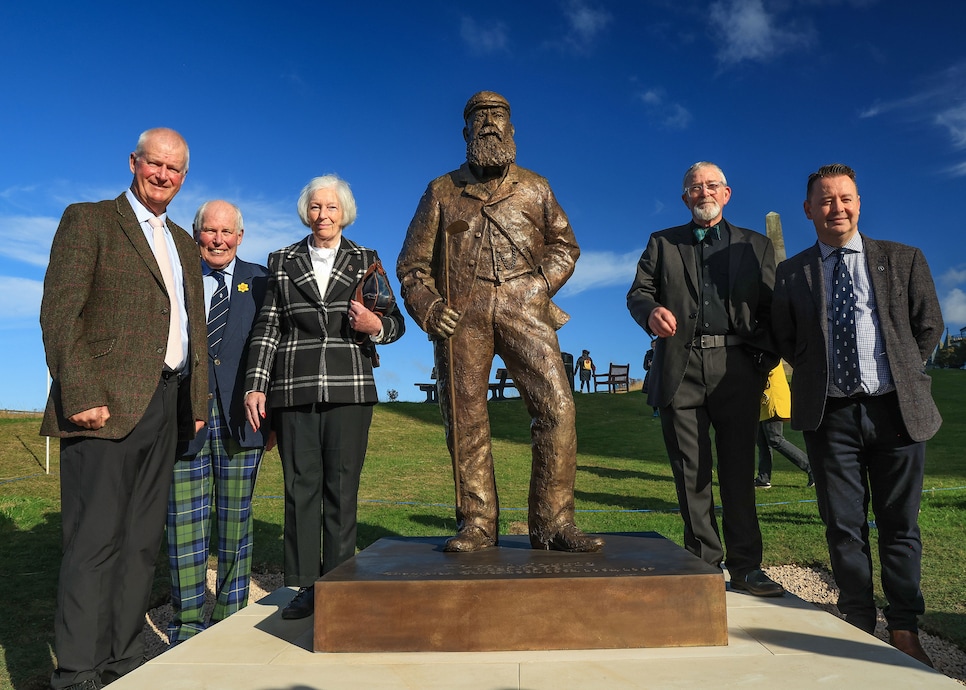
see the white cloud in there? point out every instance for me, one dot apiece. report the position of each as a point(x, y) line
point(954, 309)
point(941, 102)
point(750, 33)
point(483, 39)
point(667, 114)
point(953, 277)
point(19, 301)
point(602, 269)
point(27, 239)
point(954, 120)
point(586, 23)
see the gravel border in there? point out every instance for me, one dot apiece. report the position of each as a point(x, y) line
point(814, 585)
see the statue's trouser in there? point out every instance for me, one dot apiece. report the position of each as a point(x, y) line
point(511, 320)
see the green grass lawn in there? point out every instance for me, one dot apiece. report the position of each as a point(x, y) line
point(623, 484)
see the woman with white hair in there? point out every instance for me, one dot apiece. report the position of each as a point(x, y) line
point(310, 363)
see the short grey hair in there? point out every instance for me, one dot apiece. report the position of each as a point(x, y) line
point(342, 190)
point(689, 175)
point(198, 222)
point(148, 133)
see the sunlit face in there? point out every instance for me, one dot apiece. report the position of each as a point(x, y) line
point(159, 171)
point(833, 207)
point(218, 238)
point(325, 218)
point(706, 195)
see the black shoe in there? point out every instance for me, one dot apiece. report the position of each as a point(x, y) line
point(811, 481)
point(302, 606)
point(757, 584)
point(762, 483)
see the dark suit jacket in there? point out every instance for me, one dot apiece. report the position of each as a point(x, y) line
point(303, 350)
point(226, 371)
point(667, 276)
point(104, 317)
point(909, 316)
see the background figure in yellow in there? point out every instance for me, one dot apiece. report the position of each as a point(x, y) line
point(586, 368)
point(776, 409)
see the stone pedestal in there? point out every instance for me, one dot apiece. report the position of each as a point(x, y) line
point(408, 595)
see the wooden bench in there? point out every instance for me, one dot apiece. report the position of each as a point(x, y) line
point(502, 383)
point(617, 378)
point(430, 390)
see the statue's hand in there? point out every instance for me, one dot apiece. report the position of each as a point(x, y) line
point(442, 320)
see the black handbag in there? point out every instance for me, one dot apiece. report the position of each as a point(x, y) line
point(374, 293)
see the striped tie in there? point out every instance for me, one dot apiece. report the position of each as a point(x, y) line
point(217, 313)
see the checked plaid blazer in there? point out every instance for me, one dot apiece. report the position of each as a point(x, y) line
point(105, 324)
point(302, 349)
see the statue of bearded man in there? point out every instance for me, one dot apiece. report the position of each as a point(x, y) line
point(485, 252)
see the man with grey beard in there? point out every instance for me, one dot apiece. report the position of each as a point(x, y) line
point(704, 290)
point(486, 250)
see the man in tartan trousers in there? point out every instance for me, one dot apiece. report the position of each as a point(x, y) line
point(218, 469)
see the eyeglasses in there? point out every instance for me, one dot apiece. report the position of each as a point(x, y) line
point(712, 188)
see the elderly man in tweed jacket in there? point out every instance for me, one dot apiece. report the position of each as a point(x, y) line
point(125, 341)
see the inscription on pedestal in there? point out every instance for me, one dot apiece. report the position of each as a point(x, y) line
point(407, 594)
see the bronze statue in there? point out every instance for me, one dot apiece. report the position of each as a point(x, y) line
point(486, 250)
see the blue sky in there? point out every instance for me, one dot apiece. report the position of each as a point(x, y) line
point(612, 101)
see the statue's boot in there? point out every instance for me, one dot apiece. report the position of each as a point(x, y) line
point(568, 538)
point(469, 538)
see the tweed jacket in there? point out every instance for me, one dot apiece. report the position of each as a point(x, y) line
point(667, 275)
point(226, 368)
point(302, 348)
point(909, 317)
point(523, 207)
point(104, 318)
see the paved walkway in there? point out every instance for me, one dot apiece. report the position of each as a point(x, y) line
point(773, 643)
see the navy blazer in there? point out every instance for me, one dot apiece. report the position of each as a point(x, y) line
point(226, 372)
point(909, 317)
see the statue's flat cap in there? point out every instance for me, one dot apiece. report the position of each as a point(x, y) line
point(485, 99)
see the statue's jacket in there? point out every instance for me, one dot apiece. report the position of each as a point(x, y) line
point(522, 208)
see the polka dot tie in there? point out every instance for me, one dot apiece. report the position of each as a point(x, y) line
point(845, 354)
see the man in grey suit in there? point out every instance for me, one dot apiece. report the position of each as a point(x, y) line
point(214, 477)
point(122, 295)
point(704, 289)
point(864, 406)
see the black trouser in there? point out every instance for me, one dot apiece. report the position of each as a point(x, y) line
point(861, 451)
point(114, 496)
point(721, 389)
point(322, 448)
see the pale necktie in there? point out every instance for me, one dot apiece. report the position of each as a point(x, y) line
point(172, 357)
point(217, 312)
point(845, 352)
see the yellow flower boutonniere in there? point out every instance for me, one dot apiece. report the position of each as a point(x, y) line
point(242, 287)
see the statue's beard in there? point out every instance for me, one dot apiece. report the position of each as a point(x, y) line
point(491, 151)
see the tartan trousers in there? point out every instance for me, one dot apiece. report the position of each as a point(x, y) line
point(221, 474)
